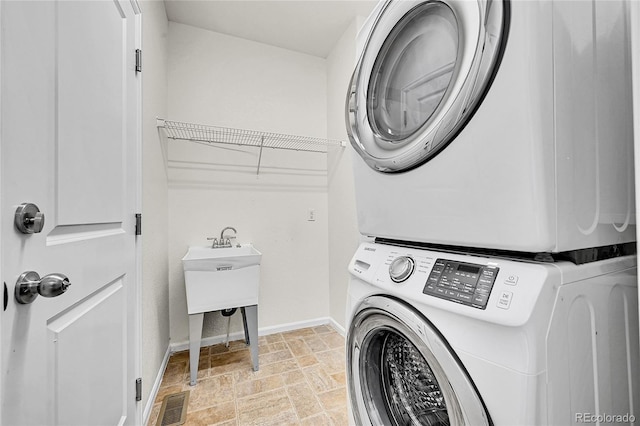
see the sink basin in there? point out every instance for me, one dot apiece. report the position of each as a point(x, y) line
point(220, 259)
point(221, 278)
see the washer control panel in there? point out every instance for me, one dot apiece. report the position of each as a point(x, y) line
point(466, 283)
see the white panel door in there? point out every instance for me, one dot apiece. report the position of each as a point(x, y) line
point(70, 106)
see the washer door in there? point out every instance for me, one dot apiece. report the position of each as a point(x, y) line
point(401, 372)
point(424, 70)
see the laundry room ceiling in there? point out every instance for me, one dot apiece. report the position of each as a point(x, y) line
point(307, 26)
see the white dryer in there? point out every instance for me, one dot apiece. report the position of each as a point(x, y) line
point(495, 124)
point(438, 338)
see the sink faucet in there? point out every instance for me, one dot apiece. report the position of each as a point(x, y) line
point(227, 242)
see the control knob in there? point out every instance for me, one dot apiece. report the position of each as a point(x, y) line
point(401, 268)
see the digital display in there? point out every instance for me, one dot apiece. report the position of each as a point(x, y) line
point(468, 268)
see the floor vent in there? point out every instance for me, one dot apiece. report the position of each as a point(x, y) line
point(174, 409)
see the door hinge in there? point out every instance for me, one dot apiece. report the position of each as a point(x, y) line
point(138, 60)
point(138, 223)
point(139, 389)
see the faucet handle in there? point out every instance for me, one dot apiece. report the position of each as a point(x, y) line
point(215, 241)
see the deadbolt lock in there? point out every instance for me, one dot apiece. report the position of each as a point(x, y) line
point(29, 219)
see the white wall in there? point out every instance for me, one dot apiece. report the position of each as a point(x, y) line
point(343, 227)
point(155, 271)
point(226, 81)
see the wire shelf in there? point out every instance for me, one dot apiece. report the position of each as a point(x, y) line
point(230, 136)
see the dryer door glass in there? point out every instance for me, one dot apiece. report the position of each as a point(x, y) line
point(424, 71)
point(413, 71)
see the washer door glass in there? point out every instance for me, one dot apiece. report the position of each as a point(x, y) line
point(400, 371)
point(406, 385)
point(413, 71)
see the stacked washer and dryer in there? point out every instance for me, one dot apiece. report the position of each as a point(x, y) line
point(495, 186)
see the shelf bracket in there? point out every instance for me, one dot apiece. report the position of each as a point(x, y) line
point(260, 155)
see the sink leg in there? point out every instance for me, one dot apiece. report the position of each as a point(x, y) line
point(244, 324)
point(195, 337)
point(250, 319)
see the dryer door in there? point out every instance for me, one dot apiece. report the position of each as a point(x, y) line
point(424, 70)
point(400, 371)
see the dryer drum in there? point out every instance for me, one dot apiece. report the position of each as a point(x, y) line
point(396, 376)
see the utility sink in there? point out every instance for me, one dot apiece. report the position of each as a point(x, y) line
point(221, 278)
point(220, 259)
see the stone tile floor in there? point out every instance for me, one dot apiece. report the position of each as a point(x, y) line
point(301, 381)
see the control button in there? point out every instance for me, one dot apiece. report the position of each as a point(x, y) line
point(488, 272)
point(480, 299)
point(401, 268)
point(464, 297)
point(511, 280)
point(505, 299)
point(452, 294)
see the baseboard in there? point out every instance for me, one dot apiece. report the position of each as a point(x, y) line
point(156, 387)
point(340, 329)
point(264, 331)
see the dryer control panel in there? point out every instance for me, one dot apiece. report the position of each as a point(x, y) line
point(461, 282)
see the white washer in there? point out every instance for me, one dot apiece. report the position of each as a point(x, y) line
point(495, 124)
point(446, 338)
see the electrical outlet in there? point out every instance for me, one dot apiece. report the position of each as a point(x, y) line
point(311, 215)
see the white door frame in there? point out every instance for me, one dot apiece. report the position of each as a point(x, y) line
point(138, 275)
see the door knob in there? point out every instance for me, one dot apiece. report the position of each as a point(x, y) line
point(29, 219)
point(30, 284)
